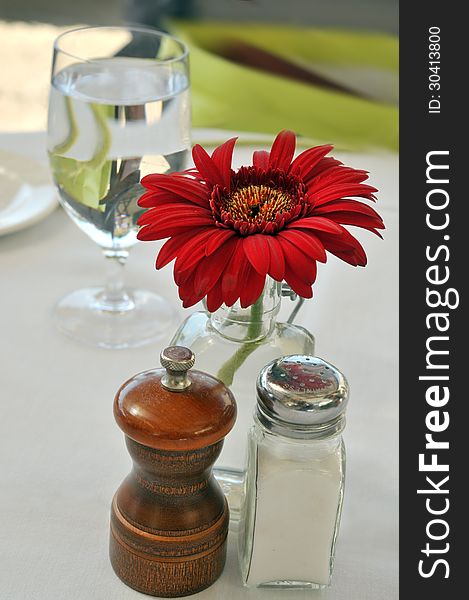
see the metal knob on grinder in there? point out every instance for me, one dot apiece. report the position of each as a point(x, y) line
point(177, 360)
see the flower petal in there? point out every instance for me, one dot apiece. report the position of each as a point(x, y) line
point(345, 247)
point(339, 190)
point(306, 241)
point(318, 223)
point(297, 261)
point(277, 259)
point(337, 174)
point(175, 213)
point(301, 288)
point(148, 199)
point(193, 251)
point(153, 232)
point(346, 205)
point(357, 219)
point(300, 271)
point(211, 267)
point(324, 166)
point(260, 159)
point(206, 166)
point(282, 150)
point(307, 160)
point(185, 220)
point(217, 239)
point(234, 272)
point(154, 198)
point(189, 189)
point(222, 157)
point(257, 251)
point(215, 297)
point(186, 292)
point(171, 247)
point(253, 284)
point(166, 227)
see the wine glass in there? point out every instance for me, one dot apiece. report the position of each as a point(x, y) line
point(119, 108)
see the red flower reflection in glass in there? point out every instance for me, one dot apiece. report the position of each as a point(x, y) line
point(228, 230)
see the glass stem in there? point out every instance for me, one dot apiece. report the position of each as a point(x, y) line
point(114, 297)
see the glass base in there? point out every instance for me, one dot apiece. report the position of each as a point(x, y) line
point(88, 316)
point(232, 483)
point(291, 585)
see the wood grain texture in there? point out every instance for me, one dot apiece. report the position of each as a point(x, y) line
point(169, 522)
point(169, 517)
point(152, 415)
point(166, 579)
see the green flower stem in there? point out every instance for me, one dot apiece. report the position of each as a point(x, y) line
point(99, 113)
point(99, 157)
point(228, 370)
point(73, 131)
point(86, 182)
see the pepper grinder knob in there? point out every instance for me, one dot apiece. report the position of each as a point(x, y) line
point(177, 360)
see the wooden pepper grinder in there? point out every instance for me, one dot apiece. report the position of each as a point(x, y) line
point(169, 518)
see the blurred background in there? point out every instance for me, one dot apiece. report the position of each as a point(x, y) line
point(375, 14)
point(336, 53)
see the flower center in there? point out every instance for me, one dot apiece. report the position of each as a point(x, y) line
point(256, 203)
point(260, 201)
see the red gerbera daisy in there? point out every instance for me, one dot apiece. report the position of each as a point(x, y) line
point(227, 230)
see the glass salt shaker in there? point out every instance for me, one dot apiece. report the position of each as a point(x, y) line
point(295, 475)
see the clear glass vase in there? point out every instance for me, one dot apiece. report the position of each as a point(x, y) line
point(234, 344)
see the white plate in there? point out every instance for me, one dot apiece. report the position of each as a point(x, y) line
point(26, 192)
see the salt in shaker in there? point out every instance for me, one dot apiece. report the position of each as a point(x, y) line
point(295, 475)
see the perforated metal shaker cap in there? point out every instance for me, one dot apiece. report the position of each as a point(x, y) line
point(302, 397)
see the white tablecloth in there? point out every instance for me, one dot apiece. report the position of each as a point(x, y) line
point(63, 456)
